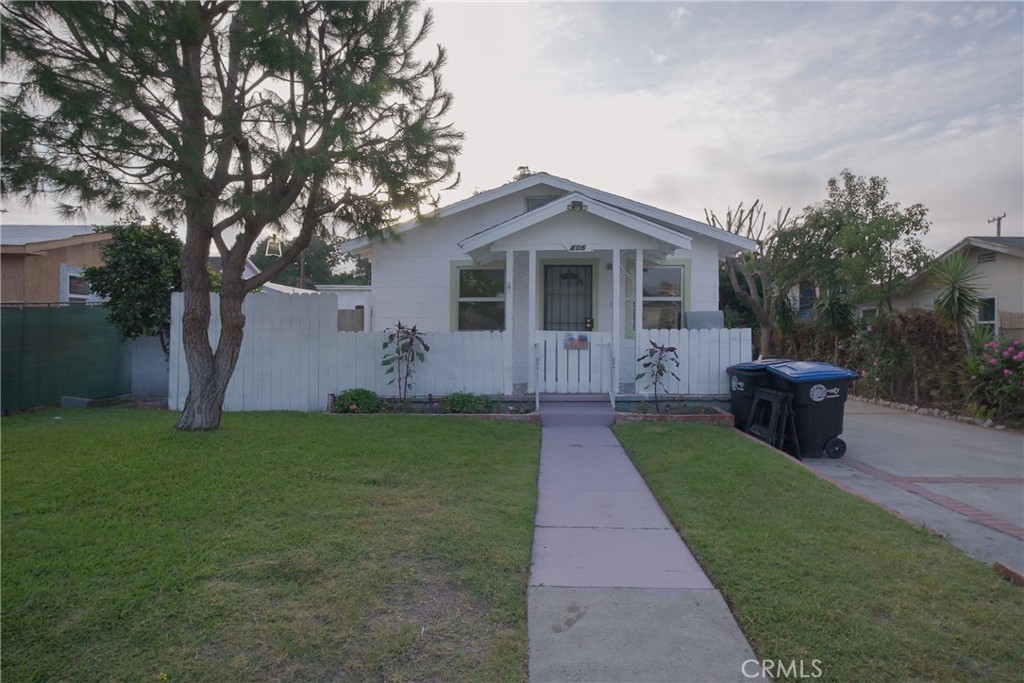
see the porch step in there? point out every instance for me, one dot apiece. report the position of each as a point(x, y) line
point(574, 398)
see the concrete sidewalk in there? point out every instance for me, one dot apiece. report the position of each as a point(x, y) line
point(615, 595)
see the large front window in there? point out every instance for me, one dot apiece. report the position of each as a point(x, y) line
point(481, 303)
point(663, 298)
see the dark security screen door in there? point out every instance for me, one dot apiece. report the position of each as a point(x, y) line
point(568, 297)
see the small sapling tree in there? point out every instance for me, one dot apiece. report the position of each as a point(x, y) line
point(656, 363)
point(403, 348)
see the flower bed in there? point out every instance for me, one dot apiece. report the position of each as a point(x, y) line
point(362, 401)
point(672, 411)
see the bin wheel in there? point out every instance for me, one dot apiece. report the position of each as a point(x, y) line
point(835, 447)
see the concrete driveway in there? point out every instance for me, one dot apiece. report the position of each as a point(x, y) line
point(963, 481)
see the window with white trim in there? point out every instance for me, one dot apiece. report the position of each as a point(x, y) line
point(663, 298)
point(74, 288)
point(481, 299)
point(987, 315)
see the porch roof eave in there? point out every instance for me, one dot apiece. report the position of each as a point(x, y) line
point(485, 240)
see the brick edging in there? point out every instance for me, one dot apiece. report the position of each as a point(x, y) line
point(1007, 573)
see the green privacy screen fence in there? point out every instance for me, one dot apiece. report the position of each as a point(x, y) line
point(47, 353)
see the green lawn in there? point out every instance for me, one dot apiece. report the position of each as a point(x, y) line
point(283, 547)
point(812, 572)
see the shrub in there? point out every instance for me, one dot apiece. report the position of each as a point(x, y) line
point(995, 381)
point(462, 402)
point(909, 357)
point(358, 401)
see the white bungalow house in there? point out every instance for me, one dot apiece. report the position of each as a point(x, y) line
point(539, 286)
point(553, 265)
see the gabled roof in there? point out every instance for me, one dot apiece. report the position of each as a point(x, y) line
point(673, 238)
point(651, 213)
point(1013, 246)
point(34, 239)
point(1004, 245)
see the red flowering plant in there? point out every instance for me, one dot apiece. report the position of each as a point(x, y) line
point(995, 380)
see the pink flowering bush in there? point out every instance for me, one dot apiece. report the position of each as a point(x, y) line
point(995, 382)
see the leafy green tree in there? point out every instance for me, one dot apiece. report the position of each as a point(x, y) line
point(856, 239)
point(323, 263)
point(230, 118)
point(958, 298)
point(139, 272)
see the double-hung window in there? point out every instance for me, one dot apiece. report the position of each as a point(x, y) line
point(663, 298)
point(987, 315)
point(481, 299)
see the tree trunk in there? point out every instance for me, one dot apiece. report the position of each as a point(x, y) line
point(752, 299)
point(209, 372)
point(766, 341)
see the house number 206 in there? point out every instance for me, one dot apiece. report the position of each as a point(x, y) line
point(577, 247)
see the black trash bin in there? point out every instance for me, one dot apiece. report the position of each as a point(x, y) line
point(744, 380)
point(818, 393)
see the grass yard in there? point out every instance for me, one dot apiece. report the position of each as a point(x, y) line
point(812, 572)
point(283, 547)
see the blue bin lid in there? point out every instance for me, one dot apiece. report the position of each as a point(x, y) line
point(807, 371)
point(758, 365)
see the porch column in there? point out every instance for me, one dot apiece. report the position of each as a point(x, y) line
point(506, 338)
point(616, 318)
point(532, 327)
point(638, 299)
point(509, 288)
point(533, 294)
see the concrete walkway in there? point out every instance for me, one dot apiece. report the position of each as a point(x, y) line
point(963, 481)
point(615, 595)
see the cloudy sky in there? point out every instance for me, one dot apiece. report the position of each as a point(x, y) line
point(703, 105)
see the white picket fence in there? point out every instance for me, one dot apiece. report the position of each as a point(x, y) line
point(293, 356)
point(703, 357)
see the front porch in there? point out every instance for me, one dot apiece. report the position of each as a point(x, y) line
point(579, 288)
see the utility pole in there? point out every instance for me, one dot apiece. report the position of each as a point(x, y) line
point(998, 220)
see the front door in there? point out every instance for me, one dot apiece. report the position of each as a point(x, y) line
point(571, 357)
point(568, 297)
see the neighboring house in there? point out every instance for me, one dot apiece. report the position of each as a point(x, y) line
point(999, 262)
point(42, 264)
point(545, 258)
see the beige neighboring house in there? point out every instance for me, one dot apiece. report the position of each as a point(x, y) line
point(999, 261)
point(42, 264)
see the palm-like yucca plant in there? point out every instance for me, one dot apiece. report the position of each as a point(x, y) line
point(959, 296)
point(835, 315)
